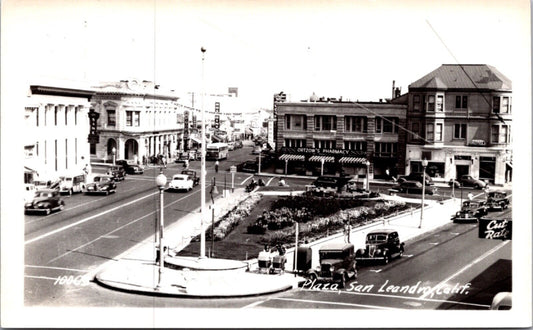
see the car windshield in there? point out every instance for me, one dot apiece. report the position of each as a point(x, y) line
point(376, 238)
point(178, 178)
point(97, 179)
point(330, 255)
point(43, 194)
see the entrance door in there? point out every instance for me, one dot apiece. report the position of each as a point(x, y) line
point(461, 170)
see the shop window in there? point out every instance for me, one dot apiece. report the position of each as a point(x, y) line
point(459, 131)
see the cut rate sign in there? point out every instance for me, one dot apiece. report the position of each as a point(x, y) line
point(495, 229)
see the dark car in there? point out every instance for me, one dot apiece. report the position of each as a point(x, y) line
point(471, 211)
point(468, 181)
point(249, 166)
point(102, 184)
point(193, 176)
point(327, 181)
point(381, 244)
point(497, 200)
point(337, 264)
point(414, 187)
point(45, 201)
point(238, 144)
point(416, 176)
point(130, 168)
point(117, 172)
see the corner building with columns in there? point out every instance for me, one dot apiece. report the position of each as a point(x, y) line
point(137, 120)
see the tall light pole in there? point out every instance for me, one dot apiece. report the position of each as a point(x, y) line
point(259, 165)
point(322, 166)
point(202, 171)
point(367, 175)
point(424, 164)
point(114, 151)
point(161, 182)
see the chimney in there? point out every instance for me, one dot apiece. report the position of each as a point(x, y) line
point(393, 88)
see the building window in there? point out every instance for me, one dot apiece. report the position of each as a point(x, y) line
point(325, 123)
point(459, 131)
point(415, 129)
point(55, 115)
point(438, 132)
point(496, 104)
point(325, 144)
point(461, 102)
point(431, 103)
point(356, 124)
point(416, 103)
point(440, 101)
point(500, 134)
point(111, 119)
point(385, 149)
point(129, 118)
point(505, 105)
point(295, 122)
point(386, 124)
point(355, 145)
point(137, 118)
point(295, 143)
point(37, 117)
point(66, 116)
point(430, 129)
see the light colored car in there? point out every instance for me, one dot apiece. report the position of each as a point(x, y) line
point(181, 182)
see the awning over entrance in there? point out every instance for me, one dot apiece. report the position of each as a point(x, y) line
point(352, 160)
point(329, 159)
point(291, 157)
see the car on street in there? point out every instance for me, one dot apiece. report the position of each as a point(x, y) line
point(471, 211)
point(29, 192)
point(101, 184)
point(248, 166)
point(416, 176)
point(231, 146)
point(117, 172)
point(497, 200)
point(238, 144)
point(180, 182)
point(72, 183)
point(382, 245)
point(337, 264)
point(45, 201)
point(414, 187)
point(130, 167)
point(330, 181)
point(468, 181)
point(192, 175)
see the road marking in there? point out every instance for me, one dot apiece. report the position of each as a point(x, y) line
point(334, 303)
point(86, 219)
point(254, 304)
point(433, 243)
point(455, 233)
point(486, 254)
point(401, 297)
point(58, 268)
point(375, 270)
point(248, 178)
point(108, 235)
point(408, 255)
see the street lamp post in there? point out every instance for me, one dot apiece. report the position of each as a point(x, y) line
point(424, 164)
point(161, 182)
point(286, 163)
point(114, 151)
point(259, 165)
point(367, 175)
point(322, 166)
point(202, 171)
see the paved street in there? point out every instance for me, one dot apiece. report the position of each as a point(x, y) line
point(64, 250)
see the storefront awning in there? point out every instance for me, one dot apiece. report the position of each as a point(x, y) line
point(196, 140)
point(352, 160)
point(291, 157)
point(329, 159)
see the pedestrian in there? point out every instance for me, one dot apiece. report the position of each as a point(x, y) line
point(216, 166)
point(470, 196)
point(186, 164)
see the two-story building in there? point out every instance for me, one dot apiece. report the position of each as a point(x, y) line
point(334, 137)
point(459, 117)
point(137, 120)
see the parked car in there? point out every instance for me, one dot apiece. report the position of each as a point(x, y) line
point(416, 176)
point(497, 200)
point(337, 263)
point(45, 201)
point(471, 211)
point(182, 157)
point(192, 175)
point(329, 181)
point(414, 187)
point(381, 244)
point(468, 181)
point(130, 167)
point(72, 183)
point(117, 172)
point(248, 166)
point(231, 146)
point(29, 192)
point(180, 182)
point(238, 144)
point(102, 184)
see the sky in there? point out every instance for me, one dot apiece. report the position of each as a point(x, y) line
point(353, 49)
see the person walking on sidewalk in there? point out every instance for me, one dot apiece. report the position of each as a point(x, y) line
point(216, 166)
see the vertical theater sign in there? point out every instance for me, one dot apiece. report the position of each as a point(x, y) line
point(93, 137)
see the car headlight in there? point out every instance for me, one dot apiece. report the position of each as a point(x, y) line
point(378, 251)
point(331, 269)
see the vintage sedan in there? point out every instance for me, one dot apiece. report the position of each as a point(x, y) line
point(102, 184)
point(192, 175)
point(337, 264)
point(117, 172)
point(471, 211)
point(497, 200)
point(468, 181)
point(382, 245)
point(45, 201)
point(181, 182)
point(414, 187)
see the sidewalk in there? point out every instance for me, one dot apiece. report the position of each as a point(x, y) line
point(136, 272)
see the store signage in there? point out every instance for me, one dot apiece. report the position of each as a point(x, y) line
point(462, 157)
point(323, 151)
point(93, 137)
point(495, 229)
point(186, 123)
point(477, 142)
